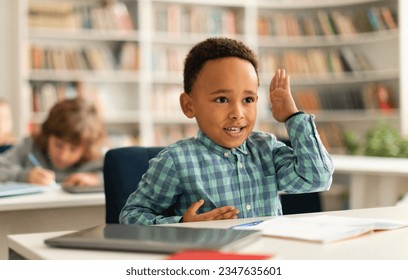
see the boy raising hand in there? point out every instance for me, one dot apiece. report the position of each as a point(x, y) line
point(229, 170)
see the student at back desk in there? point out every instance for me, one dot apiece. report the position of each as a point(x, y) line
point(67, 150)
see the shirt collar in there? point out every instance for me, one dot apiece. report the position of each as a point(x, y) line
point(221, 151)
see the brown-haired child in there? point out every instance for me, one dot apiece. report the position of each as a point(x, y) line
point(67, 150)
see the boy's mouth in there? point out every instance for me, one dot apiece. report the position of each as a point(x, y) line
point(234, 130)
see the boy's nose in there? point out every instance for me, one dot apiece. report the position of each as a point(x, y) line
point(236, 112)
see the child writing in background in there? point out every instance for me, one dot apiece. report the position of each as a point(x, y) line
point(67, 150)
point(6, 124)
point(229, 171)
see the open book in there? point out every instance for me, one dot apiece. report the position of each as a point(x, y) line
point(323, 228)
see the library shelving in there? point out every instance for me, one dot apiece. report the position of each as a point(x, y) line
point(127, 56)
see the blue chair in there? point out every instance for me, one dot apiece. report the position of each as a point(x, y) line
point(300, 203)
point(123, 168)
point(4, 148)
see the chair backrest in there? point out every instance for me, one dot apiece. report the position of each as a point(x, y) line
point(4, 148)
point(300, 203)
point(123, 168)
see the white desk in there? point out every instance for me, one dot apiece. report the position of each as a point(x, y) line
point(391, 244)
point(373, 180)
point(51, 210)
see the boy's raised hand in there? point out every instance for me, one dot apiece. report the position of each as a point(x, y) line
point(222, 213)
point(282, 103)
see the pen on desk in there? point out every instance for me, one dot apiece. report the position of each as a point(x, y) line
point(250, 224)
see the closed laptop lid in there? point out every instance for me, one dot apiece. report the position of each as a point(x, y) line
point(82, 189)
point(156, 239)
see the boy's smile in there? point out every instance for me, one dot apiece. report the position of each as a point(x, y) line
point(224, 100)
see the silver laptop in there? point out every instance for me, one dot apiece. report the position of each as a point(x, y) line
point(153, 239)
point(82, 189)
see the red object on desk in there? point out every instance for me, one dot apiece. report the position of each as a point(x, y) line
point(214, 255)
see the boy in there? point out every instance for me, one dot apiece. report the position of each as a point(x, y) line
point(67, 150)
point(228, 171)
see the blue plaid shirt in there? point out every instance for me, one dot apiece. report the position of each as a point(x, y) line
point(248, 177)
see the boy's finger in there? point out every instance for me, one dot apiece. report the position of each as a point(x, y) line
point(195, 206)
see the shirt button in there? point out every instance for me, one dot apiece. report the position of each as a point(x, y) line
point(226, 154)
point(248, 207)
point(240, 165)
point(233, 150)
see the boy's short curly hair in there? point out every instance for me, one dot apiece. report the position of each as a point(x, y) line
point(214, 48)
point(76, 121)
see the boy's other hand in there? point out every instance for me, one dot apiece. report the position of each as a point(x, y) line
point(82, 179)
point(282, 103)
point(41, 176)
point(222, 213)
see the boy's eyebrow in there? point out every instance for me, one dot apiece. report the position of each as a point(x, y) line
point(219, 91)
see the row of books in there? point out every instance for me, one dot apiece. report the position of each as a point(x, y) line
point(45, 95)
point(95, 57)
point(179, 19)
point(73, 15)
point(315, 61)
point(328, 22)
point(370, 97)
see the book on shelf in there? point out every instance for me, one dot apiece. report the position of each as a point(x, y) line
point(324, 228)
point(389, 18)
point(129, 57)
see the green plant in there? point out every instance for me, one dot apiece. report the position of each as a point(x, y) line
point(381, 140)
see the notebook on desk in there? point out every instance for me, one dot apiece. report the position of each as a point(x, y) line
point(17, 188)
point(153, 239)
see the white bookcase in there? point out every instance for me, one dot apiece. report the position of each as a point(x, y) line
point(143, 101)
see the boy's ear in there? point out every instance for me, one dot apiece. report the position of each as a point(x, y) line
point(186, 104)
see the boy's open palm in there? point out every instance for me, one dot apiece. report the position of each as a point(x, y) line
point(222, 213)
point(282, 103)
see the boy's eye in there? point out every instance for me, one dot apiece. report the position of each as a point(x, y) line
point(221, 100)
point(249, 100)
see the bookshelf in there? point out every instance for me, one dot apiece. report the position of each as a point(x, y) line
point(341, 57)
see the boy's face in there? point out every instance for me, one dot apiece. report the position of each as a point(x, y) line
point(63, 154)
point(224, 100)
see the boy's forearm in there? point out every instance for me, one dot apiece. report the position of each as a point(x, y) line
point(311, 162)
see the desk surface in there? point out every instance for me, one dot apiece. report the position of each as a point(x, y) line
point(370, 165)
point(52, 197)
point(51, 210)
point(391, 244)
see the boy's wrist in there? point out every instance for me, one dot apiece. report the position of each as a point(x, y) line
point(294, 114)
